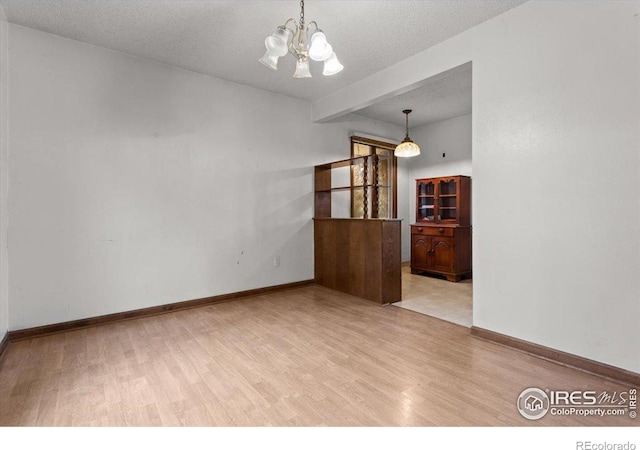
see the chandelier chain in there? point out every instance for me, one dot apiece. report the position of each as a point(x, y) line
point(301, 14)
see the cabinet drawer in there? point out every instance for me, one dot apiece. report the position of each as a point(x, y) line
point(432, 230)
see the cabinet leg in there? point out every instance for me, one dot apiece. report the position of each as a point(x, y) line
point(415, 272)
point(454, 278)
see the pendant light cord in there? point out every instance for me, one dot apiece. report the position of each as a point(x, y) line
point(407, 117)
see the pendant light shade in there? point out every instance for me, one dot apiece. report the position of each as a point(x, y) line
point(407, 147)
point(302, 69)
point(270, 60)
point(319, 48)
point(278, 43)
point(332, 65)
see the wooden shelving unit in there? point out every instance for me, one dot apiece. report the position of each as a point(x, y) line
point(371, 187)
point(361, 257)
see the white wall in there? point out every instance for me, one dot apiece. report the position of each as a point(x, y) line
point(4, 177)
point(556, 170)
point(404, 212)
point(135, 184)
point(451, 137)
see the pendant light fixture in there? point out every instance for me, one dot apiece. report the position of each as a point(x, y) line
point(407, 147)
point(303, 46)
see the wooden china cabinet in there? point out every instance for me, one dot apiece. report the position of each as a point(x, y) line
point(441, 236)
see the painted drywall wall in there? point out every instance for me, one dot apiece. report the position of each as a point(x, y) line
point(556, 170)
point(4, 175)
point(451, 137)
point(404, 211)
point(135, 184)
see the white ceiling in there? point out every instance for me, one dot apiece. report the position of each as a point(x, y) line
point(441, 97)
point(225, 38)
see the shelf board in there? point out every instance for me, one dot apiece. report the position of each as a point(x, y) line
point(448, 195)
point(360, 186)
point(348, 188)
point(447, 207)
point(341, 188)
point(350, 162)
point(426, 196)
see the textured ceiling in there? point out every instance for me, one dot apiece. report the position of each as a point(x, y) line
point(225, 38)
point(442, 97)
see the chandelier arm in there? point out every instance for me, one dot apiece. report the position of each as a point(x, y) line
point(314, 24)
point(294, 32)
point(289, 20)
point(293, 51)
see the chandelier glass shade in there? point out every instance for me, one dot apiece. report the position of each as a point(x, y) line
point(278, 43)
point(407, 147)
point(319, 48)
point(332, 65)
point(302, 69)
point(270, 60)
point(295, 38)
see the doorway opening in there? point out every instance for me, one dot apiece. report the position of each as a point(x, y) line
point(437, 227)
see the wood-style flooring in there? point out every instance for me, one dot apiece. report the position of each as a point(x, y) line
point(308, 356)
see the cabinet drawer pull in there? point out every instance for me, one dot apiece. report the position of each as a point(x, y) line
point(420, 229)
point(441, 230)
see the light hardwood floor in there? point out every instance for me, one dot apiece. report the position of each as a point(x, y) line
point(437, 297)
point(307, 356)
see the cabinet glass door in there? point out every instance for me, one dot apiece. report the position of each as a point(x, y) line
point(447, 201)
point(426, 201)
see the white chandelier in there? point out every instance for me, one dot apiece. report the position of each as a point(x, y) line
point(296, 42)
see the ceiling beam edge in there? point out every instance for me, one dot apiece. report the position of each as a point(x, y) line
point(404, 76)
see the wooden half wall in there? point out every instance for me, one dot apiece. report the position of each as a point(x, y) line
point(360, 257)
